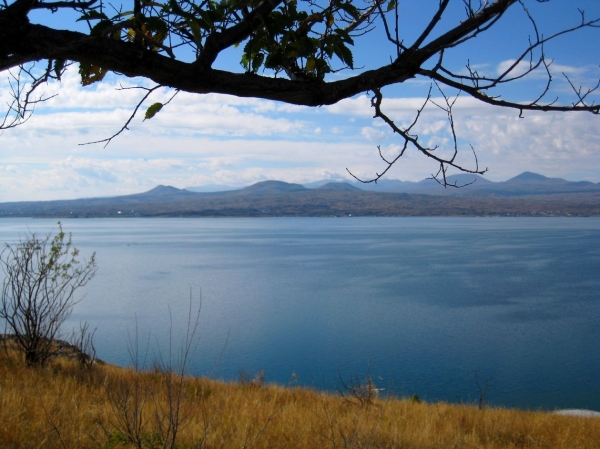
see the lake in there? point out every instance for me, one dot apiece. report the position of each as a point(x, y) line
point(422, 305)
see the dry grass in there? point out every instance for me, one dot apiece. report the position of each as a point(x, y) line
point(65, 406)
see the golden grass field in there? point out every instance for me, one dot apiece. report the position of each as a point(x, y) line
point(63, 405)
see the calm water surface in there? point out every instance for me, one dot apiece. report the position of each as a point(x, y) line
point(422, 304)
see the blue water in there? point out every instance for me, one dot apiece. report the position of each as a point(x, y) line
point(423, 305)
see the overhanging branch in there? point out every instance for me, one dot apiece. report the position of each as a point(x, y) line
point(219, 41)
point(278, 36)
point(411, 140)
point(496, 101)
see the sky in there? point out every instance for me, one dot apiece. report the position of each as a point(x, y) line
point(215, 139)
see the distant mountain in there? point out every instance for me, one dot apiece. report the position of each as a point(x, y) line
point(428, 186)
point(529, 183)
point(476, 186)
point(322, 182)
point(455, 184)
point(163, 191)
point(338, 186)
point(460, 180)
point(532, 177)
point(211, 188)
point(268, 187)
point(281, 199)
point(463, 184)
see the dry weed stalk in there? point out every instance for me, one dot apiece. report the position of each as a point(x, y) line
point(59, 406)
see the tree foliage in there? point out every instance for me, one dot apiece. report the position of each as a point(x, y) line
point(288, 49)
point(41, 276)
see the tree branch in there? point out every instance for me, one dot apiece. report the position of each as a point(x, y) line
point(54, 6)
point(125, 126)
point(218, 41)
point(412, 140)
point(471, 25)
point(495, 101)
point(279, 38)
point(434, 21)
point(38, 42)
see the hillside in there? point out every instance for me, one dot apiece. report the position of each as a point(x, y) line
point(67, 406)
point(476, 186)
point(524, 195)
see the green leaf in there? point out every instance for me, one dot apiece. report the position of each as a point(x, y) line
point(124, 14)
point(153, 110)
point(344, 35)
point(156, 24)
point(195, 27)
point(302, 47)
point(391, 5)
point(344, 54)
point(351, 9)
point(59, 65)
point(257, 62)
point(274, 60)
point(91, 73)
point(92, 15)
point(176, 9)
point(158, 28)
point(330, 19)
point(206, 17)
point(101, 27)
point(244, 62)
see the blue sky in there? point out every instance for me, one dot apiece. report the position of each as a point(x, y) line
point(216, 139)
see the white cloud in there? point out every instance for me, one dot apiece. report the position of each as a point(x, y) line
point(217, 139)
point(523, 67)
point(193, 161)
point(360, 106)
point(513, 68)
point(219, 163)
point(569, 70)
point(372, 134)
point(101, 109)
point(404, 108)
point(9, 168)
point(551, 144)
point(439, 142)
point(114, 92)
point(434, 127)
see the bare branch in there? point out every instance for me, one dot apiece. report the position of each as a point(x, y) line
point(578, 91)
point(475, 84)
point(469, 28)
point(23, 85)
point(149, 91)
point(412, 140)
point(394, 40)
point(495, 101)
point(434, 21)
point(365, 16)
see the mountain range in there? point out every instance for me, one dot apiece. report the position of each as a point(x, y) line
point(464, 184)
point(528, 194)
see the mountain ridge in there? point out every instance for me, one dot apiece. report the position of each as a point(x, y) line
point(463, 184)
point(281, 199)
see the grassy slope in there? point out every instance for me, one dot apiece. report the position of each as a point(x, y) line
point(64, 406)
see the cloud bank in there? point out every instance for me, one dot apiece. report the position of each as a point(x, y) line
point(217, 139)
